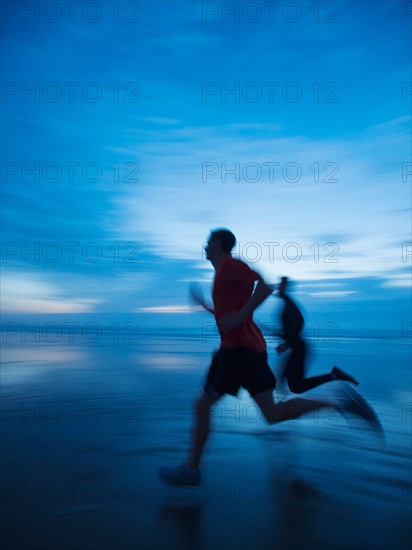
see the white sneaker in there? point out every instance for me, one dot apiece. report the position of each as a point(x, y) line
point(354, 403)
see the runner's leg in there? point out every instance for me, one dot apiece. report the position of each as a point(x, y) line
point(287, 410)
point(295, 372)
point(201, 428)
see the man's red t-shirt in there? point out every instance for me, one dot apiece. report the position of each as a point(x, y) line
point(232, 288)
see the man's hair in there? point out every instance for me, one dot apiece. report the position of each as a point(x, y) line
point(225, 237)
point(284, 281)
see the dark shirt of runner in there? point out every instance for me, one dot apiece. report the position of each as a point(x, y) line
point(292, 322)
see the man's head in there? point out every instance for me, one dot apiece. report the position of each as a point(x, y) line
point(221, 241)
point(283, 285)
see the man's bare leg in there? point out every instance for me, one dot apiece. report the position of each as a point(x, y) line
point(201, 428)
point(349, 401)
point(288, 410)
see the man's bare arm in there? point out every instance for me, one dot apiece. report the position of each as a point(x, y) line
point(207, 307)
point(262, 291)
point(196, 294)
point(232, 320)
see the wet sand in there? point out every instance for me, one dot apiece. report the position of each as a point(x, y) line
point(85, 427)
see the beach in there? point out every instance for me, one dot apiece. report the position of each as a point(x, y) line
point(86, 424)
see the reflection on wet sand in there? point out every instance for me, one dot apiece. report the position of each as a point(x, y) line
point(179, 523)
point(87, 427)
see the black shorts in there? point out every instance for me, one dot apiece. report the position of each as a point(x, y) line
point(240, 366)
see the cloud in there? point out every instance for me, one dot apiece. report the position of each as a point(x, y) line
point(334, 224)
point(332, 293)
point(169, 309)
point(398, 281)
point(25, 294)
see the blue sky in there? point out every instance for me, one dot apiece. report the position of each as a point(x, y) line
point(316, 134)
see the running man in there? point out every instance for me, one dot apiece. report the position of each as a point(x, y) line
point(242, 358)
point(292, 325)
